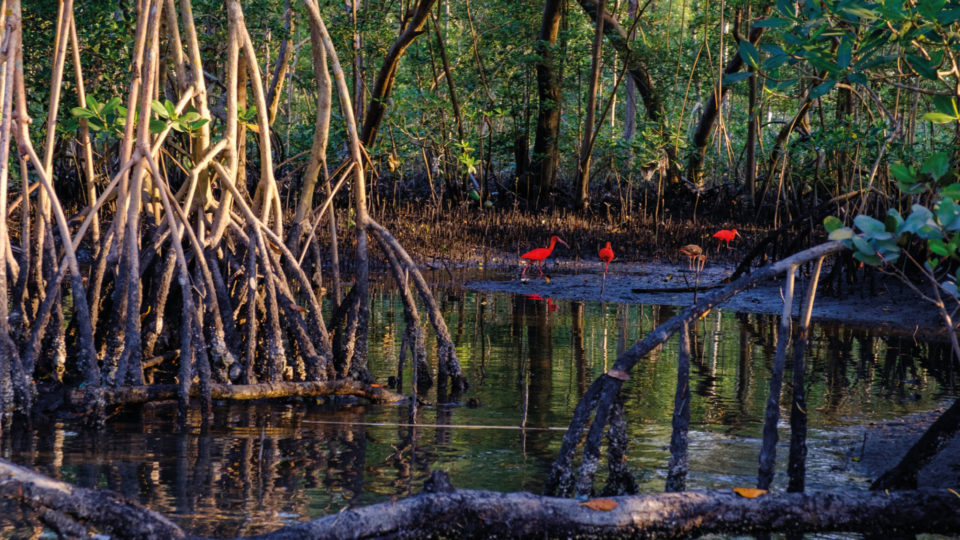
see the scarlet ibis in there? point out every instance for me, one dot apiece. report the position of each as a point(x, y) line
point(606, 255)
point(540, 254)
point(694, 254)
point(725, 235)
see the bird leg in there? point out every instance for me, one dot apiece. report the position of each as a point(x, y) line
point(540, 267)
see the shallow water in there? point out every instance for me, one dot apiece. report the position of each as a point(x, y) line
point(528, 359)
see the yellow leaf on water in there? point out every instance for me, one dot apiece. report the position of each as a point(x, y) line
point(750, 493)
point(604, 505)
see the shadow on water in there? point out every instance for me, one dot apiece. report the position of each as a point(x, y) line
point(258, 466)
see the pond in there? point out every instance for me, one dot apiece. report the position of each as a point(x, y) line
point(528, 359)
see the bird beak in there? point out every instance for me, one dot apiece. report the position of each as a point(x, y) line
point(562, 242)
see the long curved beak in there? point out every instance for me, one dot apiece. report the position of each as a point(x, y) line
point(562, 242)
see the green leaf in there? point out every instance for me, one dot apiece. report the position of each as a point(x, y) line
point(80, 112)
point(822, 89)
point(922, 67)
point(937, 246)
point(110, 106)
point(903, 173)
point(775, 86)
point(821, 60)
point(843, 233)
point(157, 107)
point(844, 54)
point(948, 16)
point(857, 78)
point(919, 217)
point(785, 7)
point(947, 105)
point(939, 117)
point(930, 8)
point(773, 62)
point(773, 22)
point(832, 223)
point(736, 77)
point(749, 54)
point(170, 108)
point(948, 214)
point(92, 103)
point(860, 12)
point(866, 258)
point(194, 126)
point(952, 191)
point(157, 126)
point(872, 228)
point(936, 165)
point(893, 221)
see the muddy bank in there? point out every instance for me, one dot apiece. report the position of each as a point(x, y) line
point(867, 451)
point(894, 308)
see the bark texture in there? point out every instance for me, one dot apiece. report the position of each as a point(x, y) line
point(485, 514)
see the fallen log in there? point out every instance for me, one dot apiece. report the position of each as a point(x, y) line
point(68, 509)
point(447, 512)
point(484, 514)
point(133, 395)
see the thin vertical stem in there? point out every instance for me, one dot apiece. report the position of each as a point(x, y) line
point(797, 463)
point(677, 468)
point(85, 142)
point(768, 452)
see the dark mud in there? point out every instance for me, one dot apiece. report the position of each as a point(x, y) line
point(894, 308)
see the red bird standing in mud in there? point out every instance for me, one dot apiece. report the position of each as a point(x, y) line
point(606, 255)
point(540, 254)
point(725, 235)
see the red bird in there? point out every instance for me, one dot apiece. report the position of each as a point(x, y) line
point(725, 235)
point(606, 255)
point(540, 254)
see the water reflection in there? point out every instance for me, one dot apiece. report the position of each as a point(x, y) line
point(529, 359)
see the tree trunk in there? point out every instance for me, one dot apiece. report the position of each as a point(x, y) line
point(712, 109)
point(630, 107)
point(383, 86)
point(544, 162)
point(586, 144)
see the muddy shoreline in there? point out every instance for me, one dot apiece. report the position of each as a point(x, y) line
point(895, 308)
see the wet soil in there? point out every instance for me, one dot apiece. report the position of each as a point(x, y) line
point(646, 258)
point(883, 445)
point(895, 307)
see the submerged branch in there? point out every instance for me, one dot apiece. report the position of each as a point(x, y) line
point(132, 395)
